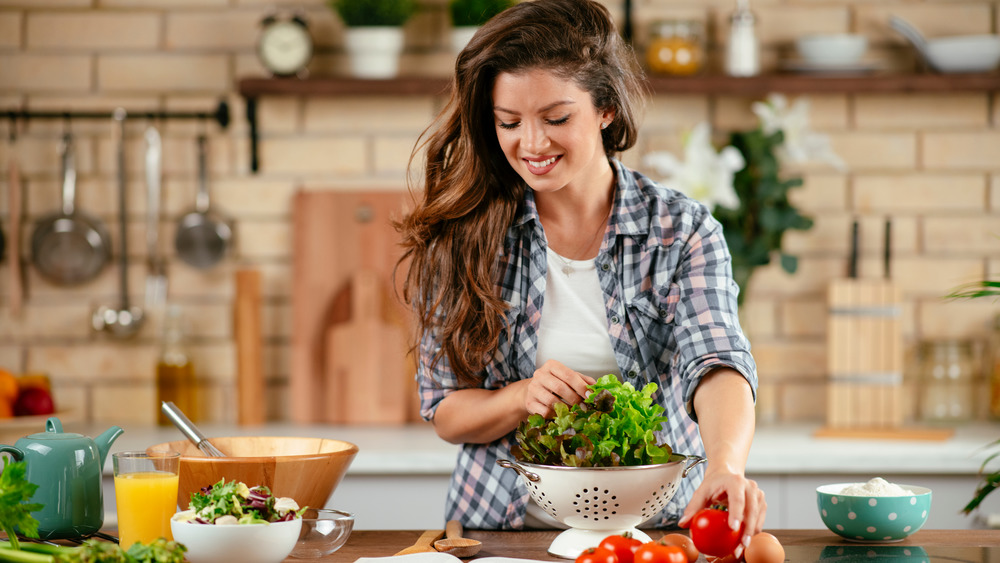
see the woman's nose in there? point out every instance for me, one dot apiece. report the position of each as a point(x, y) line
point(535, 138)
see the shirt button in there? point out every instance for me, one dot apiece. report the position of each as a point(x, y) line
point(605, 266)
point(663, 313)
point(615, 319)
point(633, 373)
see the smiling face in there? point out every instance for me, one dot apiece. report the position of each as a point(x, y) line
point(550, 131)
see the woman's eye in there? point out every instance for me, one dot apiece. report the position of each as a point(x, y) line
point(559, 121)
point(507, 125)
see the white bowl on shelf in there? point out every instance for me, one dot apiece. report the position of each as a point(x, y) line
point(833, 50)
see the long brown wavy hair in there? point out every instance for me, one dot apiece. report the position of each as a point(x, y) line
point(455, 235)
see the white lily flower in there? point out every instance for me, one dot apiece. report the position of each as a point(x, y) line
point(801, 144)
point(705, 175)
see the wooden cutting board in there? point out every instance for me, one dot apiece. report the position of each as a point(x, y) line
point(365, 356)
point(337, 236)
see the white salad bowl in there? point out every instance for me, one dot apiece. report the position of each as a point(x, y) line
point(246, 543)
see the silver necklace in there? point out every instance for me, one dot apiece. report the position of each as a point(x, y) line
point(567, 264)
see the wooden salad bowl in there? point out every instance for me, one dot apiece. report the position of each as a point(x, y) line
point(305, 469)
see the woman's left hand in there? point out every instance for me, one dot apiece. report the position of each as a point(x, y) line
point(747, 506)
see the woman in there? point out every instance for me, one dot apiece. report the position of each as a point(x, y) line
point(538, 262)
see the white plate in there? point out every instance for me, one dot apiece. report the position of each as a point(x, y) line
point(855, 68)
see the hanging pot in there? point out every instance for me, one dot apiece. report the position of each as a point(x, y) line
point(203, 237)
point(69, 247)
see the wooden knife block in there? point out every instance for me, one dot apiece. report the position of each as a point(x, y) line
point(864, 355)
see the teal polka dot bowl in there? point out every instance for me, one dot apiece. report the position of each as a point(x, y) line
point(873, 519)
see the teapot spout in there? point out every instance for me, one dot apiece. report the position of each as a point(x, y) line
point(105, 440)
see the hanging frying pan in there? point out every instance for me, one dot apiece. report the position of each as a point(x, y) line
point(203, 237)
point(69, 247)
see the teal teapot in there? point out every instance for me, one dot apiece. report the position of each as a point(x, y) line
point(67, 468)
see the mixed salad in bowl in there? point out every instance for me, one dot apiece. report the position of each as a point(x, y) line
point(235, 503)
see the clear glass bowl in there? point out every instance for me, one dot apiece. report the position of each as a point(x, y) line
point(324, 530)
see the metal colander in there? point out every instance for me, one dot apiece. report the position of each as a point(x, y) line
point(598, 501)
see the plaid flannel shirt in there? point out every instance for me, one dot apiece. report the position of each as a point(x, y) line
point(664, 269)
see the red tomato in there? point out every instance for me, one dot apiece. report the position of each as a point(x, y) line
point(654, 552)
point(624, 546)
point(597, 555)
point(711, 533)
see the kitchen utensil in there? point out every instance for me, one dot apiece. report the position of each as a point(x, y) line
point(188, 428)
point(305, 469)
point(596, 502)
point(125, 321)
point(959, 53)
point(67, 467)
point(455, 544)
point(366, 354)
point(324, 531)
point(424, 544)
point(335, 236)
point(69, 247)
point(245, 543)
point(15, 205)
point(156, 277)
point(247, 328)
point(203, 237)
point(873, 519)
point(865, 348)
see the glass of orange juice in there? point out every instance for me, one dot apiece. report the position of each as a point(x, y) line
point(146, 495)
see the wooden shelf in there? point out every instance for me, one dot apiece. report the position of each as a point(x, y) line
point(703, 84)
point(708, 84)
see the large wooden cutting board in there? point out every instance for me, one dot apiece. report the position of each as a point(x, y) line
point(336, 236)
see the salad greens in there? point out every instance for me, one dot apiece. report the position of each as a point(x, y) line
point(615, 425)
point(15, 511)
point(235, 503)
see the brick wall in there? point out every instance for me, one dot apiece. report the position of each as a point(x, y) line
point(931, 162)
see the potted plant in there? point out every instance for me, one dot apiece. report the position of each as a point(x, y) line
point(989, 477)
point(374, 35)
point(468, 15)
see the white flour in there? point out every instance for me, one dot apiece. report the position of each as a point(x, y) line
point(877, 487)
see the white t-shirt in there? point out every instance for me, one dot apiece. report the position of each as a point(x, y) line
point(574, 325)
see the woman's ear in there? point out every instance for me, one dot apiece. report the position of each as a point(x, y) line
point(607, 116)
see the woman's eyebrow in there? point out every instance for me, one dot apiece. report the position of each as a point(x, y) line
point(544, 109)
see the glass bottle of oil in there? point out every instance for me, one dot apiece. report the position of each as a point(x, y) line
point(175, 378)
point(993, 368)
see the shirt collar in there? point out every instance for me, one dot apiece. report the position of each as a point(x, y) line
point(631, 214)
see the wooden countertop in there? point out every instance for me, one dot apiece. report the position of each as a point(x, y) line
point(972, 546)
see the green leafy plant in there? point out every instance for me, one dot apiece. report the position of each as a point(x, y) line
point(989, 481)
point(755, 230)
point(615, 425)
point(470, 13)
point(15, 510)
point(357, 13)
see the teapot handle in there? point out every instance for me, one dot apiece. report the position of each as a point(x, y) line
point(15, 453)
point(53, 425)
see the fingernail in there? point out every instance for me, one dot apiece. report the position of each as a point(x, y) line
point(734, 524)
point(738, 552)
point(746, 540)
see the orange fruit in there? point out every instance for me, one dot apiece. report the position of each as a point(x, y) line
point(34, 380)
point(8, 387)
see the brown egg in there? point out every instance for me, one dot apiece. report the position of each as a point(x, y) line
point(764, 548)
point(683, 542)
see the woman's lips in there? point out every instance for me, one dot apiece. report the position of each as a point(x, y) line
point(539, 166)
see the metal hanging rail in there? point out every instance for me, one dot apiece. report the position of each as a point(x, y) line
point(220, 115)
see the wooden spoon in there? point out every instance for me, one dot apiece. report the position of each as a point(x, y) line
point(425, 543)
point(455, 544)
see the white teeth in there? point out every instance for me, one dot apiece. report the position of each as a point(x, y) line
point(542, 163)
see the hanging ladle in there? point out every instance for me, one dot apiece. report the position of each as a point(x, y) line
point(125, 321)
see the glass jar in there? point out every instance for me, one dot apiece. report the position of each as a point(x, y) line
point(676, 47)
point(175, 379)
point(993, 369)
point(948, 380)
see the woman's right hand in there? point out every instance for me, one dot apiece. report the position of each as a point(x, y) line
point(554, 383)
